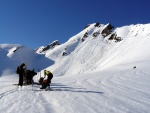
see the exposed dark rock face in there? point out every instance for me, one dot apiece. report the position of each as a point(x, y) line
point(85, 36)
point(95, 34)
point(107, 30)
point(50, 46)
point(114, 37)
point(97, 24)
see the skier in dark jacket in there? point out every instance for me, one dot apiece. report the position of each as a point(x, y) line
point(46, 82)
point(22, 69)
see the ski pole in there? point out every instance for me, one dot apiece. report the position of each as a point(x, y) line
point(38, 75)
point(32, 85)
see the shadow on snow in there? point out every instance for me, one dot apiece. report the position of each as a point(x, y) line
point(61, 87)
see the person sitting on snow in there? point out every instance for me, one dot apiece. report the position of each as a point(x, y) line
point(47, 80)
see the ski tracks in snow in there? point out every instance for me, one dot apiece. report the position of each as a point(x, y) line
point(130, 89)
point(125, 91)
point(113, 92)
point(122, 92)
point(7, 93)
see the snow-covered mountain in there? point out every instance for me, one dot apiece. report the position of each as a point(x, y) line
point(106, 70)
point(99, 46)
point(12, 55)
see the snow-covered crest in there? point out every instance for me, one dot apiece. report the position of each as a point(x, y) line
point(120, 85)
point(97, 47)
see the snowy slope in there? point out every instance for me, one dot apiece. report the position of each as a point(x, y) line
point(99, 52)
point(95, 76)
point(119, 91)
point(12, 55)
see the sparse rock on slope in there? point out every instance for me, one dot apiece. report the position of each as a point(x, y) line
point(99, 46)
point(51, 46)
point(120, 85)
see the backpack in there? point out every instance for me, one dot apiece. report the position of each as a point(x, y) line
point(44, 81)
point(18, 70)
point(41, 80)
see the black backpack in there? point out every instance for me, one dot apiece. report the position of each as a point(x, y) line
point(18, 70)
point(41, 80)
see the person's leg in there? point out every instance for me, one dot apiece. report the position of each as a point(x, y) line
point(21, 80)
point(48, 85)
point(19, 84)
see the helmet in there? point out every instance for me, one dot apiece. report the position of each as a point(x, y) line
point(23, 64)
point(46, 72)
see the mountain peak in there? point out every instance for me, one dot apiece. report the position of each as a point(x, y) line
point(50, 46)
point(98, 46)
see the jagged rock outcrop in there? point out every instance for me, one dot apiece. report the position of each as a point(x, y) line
point(85, 36)
point(113, 36)
point(50, 46)
point(107, 30)
point(97, 24)
point(95, 34)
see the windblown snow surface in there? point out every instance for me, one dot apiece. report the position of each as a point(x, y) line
point(95, 76)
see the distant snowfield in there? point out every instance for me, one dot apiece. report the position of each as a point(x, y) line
point(95, 76)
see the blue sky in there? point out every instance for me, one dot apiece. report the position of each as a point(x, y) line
point(34, 23)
